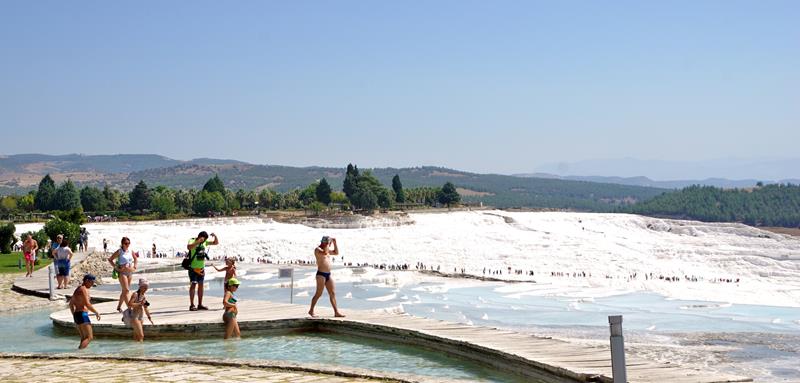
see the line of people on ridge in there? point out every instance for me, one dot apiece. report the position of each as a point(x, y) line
point(124, 263)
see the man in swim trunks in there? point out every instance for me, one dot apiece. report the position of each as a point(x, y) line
point(80, 304)
point(29, 248)
point(324, 280)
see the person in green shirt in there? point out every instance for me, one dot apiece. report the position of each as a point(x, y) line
point(197, 252)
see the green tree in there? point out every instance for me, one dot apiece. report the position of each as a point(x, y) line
point(58, 226)
point(162, 201)
point(449, 196)
point(92, 199)
point(266, 199)
point(67, 197)
point(397, 186)
point(7, 238)
point(364, 199)
point(184, 200)
point(350, 182)
point(291, 200)
point(45, 194)
point(231, 203)
point(309, 194)
point(339, 197)
point(139, 197)
point(8, 204)
point(206, 202)
point(385, 198)
point(27, 202)
point(75, 216)
point(214, 184)
point(316, 207)
point(323, 192)
point(113, 197)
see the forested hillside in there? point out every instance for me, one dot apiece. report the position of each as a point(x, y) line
point(770, 205)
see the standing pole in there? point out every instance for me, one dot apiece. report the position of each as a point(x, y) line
point(291, 289)
point(50, 282)
point(617, 349)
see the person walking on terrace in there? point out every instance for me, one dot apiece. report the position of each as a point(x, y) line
point(80, 304)
point(29, 248)
point(198, 254)
point(54, 245)
point(124, 262)
point(63, 258)
point(324, 280)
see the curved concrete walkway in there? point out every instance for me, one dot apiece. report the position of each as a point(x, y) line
point(49, 368)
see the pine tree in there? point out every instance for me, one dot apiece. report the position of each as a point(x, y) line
point(140, 197)
point(67, 197)
point(448, 195)
point(215, 185)
point(43, 200)
point(324, 192)
point(397, 186)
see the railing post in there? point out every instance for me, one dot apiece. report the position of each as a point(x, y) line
point(50, 282)
point(617, 349)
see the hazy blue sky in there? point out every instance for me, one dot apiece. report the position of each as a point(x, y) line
point(489, 86)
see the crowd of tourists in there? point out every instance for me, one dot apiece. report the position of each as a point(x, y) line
point(134, 306)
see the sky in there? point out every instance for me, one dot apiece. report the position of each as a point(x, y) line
point(485, 86)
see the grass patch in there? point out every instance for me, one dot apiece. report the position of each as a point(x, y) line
point(9, 263)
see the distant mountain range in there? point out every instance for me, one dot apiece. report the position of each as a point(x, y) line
point(20, 173)
point(676, 184)
point(745, 171)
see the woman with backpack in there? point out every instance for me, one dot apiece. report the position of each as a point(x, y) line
point(124, 263)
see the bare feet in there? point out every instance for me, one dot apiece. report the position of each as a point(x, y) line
point(312, 314)
point(339, 315)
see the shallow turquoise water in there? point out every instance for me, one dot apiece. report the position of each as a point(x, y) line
point(32, 331)
point(760, 341)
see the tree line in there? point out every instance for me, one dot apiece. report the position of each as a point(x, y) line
point(361, 191)
point(770, 205)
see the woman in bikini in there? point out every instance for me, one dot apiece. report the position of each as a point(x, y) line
point(138, 307)
point(124, 263)
point(231, 310)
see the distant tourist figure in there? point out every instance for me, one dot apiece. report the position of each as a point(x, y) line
point(105, 245)
point(63, 258)
point(84, 239)
point(29, 248)
point(153, 253)
point(80, 304)
point(138, 307)
point(124, 262)
point(198, 254)
point(231, 310)
point(230, 269)
point(324, 280)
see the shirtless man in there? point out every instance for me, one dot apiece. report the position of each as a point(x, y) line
point(29, 248)
point(324, 279)
point(80, 304)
